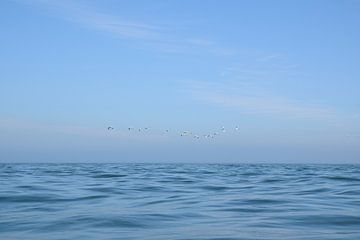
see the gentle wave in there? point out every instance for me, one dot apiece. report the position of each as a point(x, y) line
point(179, 201)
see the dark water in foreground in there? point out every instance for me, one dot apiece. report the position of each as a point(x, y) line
point(179, 201)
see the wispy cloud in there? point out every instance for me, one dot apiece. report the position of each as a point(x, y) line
point(87, 15)
point(269, 57)
point(248, 69)
point(266, 105)
point(156, 36)
point(256, 101)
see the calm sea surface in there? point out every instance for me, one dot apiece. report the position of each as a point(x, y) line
point(179, 201)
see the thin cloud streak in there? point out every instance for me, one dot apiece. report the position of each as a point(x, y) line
point(256, 101)
point(267, 105)
point(92, 18)
point(150, 36)
point(269, 57)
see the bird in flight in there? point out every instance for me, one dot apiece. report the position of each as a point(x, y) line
point(184, 133)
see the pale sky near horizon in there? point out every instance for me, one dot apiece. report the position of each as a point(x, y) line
point(287, 73)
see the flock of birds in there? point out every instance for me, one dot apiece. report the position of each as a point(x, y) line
point(181, 133)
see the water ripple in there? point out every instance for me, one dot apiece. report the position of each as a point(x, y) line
point(179, 201)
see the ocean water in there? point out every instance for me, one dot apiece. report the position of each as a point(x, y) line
point(179, 201)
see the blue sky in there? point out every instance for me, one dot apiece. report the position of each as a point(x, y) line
point(287, 73)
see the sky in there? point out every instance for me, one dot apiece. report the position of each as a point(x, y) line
point(286, 73)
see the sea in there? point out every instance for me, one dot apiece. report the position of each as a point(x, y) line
point(179, 201)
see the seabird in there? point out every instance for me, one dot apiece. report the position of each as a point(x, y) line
point(184, 133)
point(110, 128)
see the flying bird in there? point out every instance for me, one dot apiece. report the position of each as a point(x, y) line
point(110, 128)
point(184, 133)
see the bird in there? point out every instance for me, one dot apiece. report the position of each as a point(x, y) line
point(184, 133)
point(236, 128)
point(223, 129)
point(110, 128)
